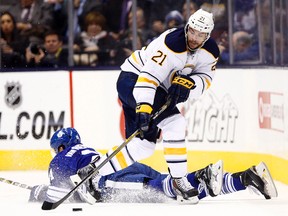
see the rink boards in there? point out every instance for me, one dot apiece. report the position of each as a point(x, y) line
point(240, 119)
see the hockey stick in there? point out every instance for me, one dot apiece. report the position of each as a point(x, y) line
point(49, 206)
point(15, 183)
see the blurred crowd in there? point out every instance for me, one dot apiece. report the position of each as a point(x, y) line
point(35, 33)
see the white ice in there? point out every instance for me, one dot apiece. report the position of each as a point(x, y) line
point(14, 201)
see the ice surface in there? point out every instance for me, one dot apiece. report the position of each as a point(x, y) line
point(13, 201)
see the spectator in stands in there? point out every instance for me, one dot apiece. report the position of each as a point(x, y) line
point(140, 21)
point(117, 13)
point(158, 27)
point(112, 10)
point(188, 10)
point(160, 8)
point(245, 18)
point(174, 19)
point(220, 13)
point(124, 46)
point(244, 47)
point(52, 55)
point(281, 51)
point(81, 8)
point(33, 18)
point(12, 44)
point(94, 43)
point(60, 17)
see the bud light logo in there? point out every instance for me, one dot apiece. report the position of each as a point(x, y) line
point(210, 119)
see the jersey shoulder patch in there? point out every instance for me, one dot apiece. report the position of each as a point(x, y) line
point(212, 47)
point(176, 40)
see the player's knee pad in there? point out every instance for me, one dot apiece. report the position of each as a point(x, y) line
point(140, 149)
point(173, 128)
point(136, 150)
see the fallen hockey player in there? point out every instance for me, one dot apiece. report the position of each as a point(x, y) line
point(74, 160)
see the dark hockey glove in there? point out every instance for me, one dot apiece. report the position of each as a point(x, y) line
point(143, 116)
point(85, 171)
point(180, 89)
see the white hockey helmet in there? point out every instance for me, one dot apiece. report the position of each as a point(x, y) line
point(201, 21)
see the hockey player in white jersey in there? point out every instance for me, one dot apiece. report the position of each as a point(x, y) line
point(180, 63)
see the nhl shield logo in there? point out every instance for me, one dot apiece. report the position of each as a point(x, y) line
point(13, 96)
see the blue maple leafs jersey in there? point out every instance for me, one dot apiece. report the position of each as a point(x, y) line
point(64, 165)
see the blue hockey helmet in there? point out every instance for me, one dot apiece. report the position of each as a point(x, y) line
point(64, 137)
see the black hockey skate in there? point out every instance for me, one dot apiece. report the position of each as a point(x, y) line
point(259, 177)
point(212, 177)
point(184, 191)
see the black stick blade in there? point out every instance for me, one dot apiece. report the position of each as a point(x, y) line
point(48, 205)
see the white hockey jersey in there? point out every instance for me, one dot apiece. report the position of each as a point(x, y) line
point(157, 64)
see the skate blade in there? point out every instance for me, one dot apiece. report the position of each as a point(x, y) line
point(217, 177)
point(191, 201)
point(264, 173)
